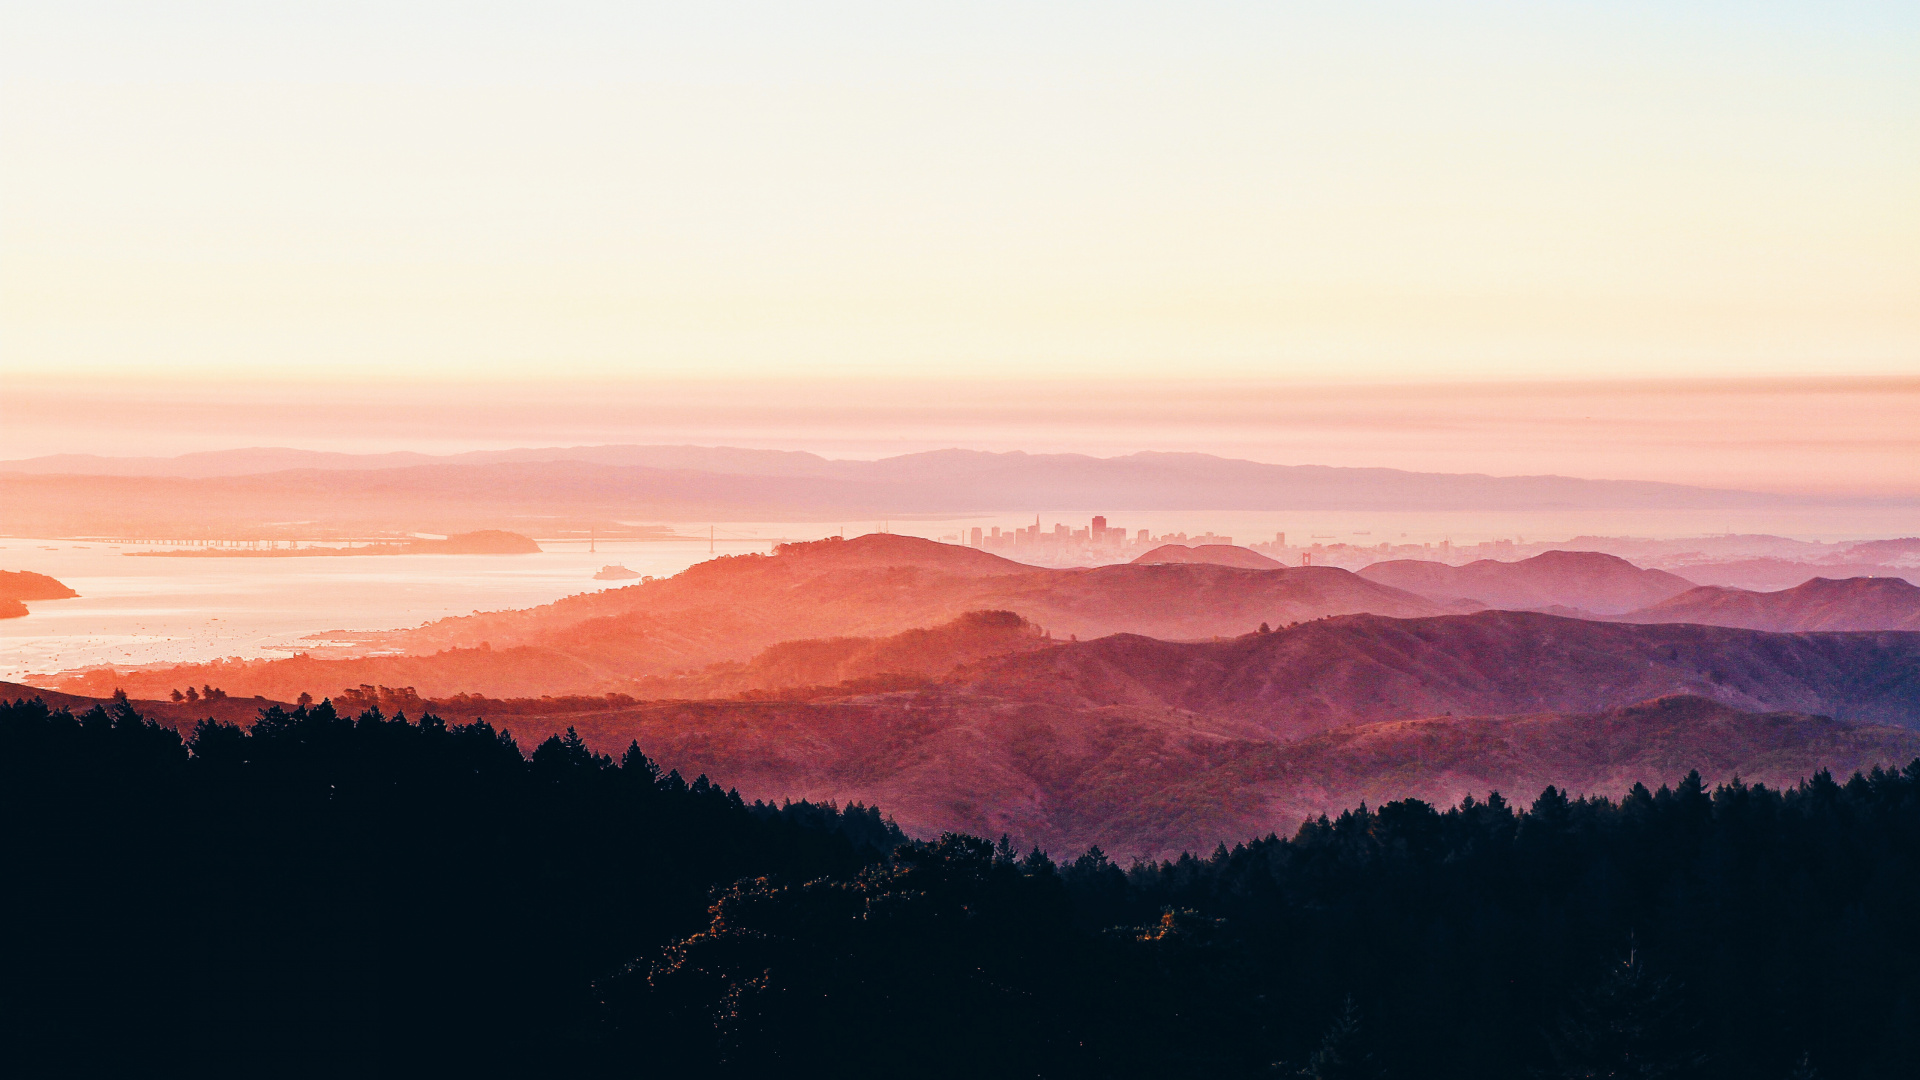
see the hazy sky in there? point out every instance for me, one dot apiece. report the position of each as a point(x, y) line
point(485, 195)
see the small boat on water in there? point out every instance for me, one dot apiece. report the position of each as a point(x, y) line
point(616, 572)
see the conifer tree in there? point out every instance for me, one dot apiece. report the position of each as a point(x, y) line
point(1629, 1027)
point(1346, 1052)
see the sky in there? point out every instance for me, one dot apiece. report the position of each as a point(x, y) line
point(846, 225)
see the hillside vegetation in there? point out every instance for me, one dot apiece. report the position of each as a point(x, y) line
point(323, 895)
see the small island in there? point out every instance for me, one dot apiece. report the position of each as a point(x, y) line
point(484, 542)
point(17, 586)
point(616, 572)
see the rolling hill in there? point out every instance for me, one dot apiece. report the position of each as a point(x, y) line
point(1861, 603)
point(1216, 554)
point(1571, 581)
point(1365, 669)
point(1144, 780)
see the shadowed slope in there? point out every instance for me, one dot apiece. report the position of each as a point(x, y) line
point(1364, 668)
point(1139, 780)
point(1587, 581)
point(826, 662)
point(1861, 603)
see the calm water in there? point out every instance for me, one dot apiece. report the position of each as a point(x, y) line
point(146, 610)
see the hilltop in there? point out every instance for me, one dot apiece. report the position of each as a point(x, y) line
point(1861, 603)
point(1216, 554)
point(1573, 581)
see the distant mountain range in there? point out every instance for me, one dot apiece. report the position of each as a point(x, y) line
point(249, 488)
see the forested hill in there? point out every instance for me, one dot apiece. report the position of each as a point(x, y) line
point(319, 895)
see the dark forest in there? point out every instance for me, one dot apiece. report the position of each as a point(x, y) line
point(319, 895)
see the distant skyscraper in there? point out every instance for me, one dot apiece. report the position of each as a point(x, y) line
point(1099, 529)
point(976, 536)
point(1279, 539)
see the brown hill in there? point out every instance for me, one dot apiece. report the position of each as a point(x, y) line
point(827, 662)
point(1217, 554)
point(1141, 780)
point(1862, 603)
point(729, 609)
point(1365, 669)
point(1582, 581)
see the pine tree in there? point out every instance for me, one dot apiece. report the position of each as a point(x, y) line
point(1628, 1027)
point(1346, 1052)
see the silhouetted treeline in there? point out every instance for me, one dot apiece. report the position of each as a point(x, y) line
point(377, 897)
point(321, 895)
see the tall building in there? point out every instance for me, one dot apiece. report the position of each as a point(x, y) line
point(1099, 529)
point(1279, 539)
point(975, 540)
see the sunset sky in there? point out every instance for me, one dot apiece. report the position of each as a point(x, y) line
point(858, 227)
